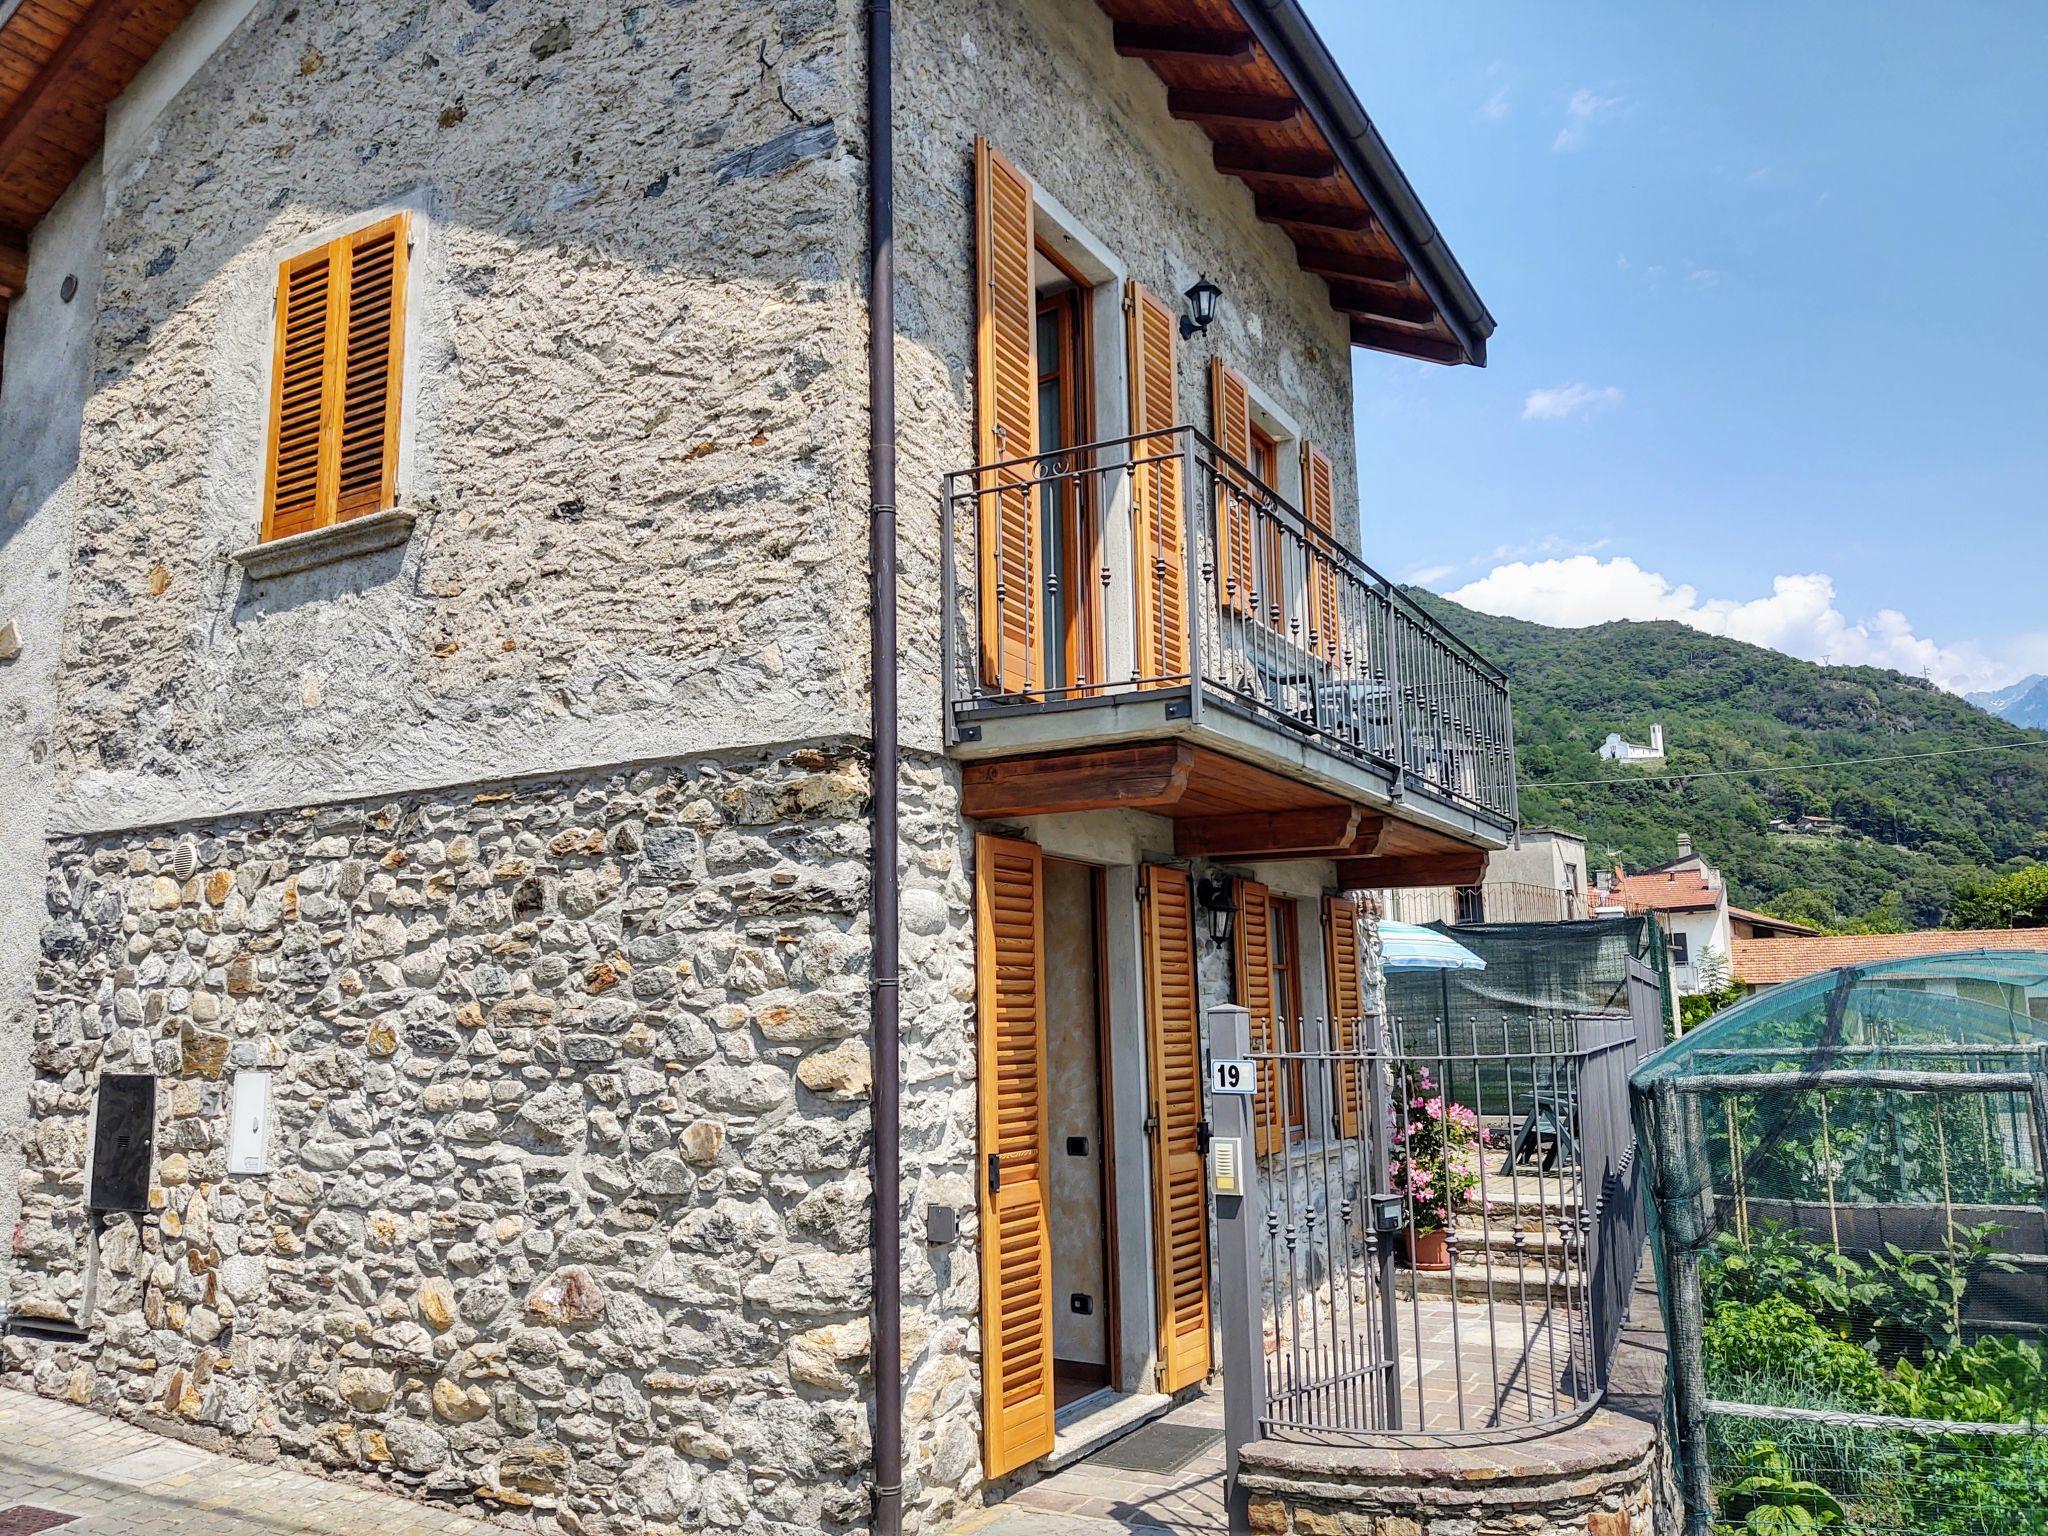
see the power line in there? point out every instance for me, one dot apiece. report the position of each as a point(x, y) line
point(1738, 773)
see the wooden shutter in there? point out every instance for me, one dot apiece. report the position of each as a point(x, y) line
point(1179, 1174)
point(336, 381)
point(1016, 1228)
point(1006, 388)
point(1347, 1005)
point(1159, 553)
point(1318, 505)
point(1254, 966)
point(1230, 417)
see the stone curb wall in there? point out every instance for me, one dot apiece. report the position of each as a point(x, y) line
point(1609, 1475)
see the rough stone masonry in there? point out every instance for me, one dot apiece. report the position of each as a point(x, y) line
point(569, 1211)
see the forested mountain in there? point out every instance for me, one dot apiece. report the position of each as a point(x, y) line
point(1903, 833)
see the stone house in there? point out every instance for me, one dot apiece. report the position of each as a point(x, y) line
point(440, 978)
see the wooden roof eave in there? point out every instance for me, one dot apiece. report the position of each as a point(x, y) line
point(1255, 78)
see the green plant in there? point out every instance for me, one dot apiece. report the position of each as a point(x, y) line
point(1770, 1499)
point(1773, 1351)
point(1923, 1292)
point(2017, 900)
point(1992, 1381)
point(1432, 1155)
point(1783, 1260)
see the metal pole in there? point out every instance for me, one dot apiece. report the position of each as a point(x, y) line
point(1239, 1220)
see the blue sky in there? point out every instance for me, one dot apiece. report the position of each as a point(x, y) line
point(1773, 345)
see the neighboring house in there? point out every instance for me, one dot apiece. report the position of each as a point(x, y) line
point(1616, 749)
point(1744, 924)
point(1771, 962)
point(447, 1007)
point(1690, 900)
point(1540, 879)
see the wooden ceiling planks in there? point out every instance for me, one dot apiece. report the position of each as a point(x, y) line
point(62, 63)
point(1218, 77)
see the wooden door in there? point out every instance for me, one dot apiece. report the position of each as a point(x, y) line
point(1016, 1227)
point(1180, 1208)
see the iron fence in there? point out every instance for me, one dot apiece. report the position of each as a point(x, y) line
point(1443, 1225)
point(1161, 563)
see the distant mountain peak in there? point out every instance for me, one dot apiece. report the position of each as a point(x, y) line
point(2023, 703)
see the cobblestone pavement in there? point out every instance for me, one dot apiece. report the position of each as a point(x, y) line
point(1092, 1498)
point(118, 1480)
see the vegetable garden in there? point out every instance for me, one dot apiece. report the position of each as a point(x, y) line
point(1848, 1218)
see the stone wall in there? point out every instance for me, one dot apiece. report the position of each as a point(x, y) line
point(568, 1209)
point(635, 380)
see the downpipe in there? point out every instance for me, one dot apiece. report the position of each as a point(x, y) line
point(887, 1329)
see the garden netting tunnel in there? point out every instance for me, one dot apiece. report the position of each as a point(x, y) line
point(1850, 1226)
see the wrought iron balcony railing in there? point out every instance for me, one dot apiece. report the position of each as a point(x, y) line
point(1161, 563)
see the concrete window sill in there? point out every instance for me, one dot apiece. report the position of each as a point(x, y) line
point(324, 546)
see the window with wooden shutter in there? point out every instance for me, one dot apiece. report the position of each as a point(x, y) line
point(1318, 505)
point(1253, 963)
point(1016, 1225)
point(1230, 418)
point(1158, 521)
point(1006, 395)
point(1342, 959)
point(1180, 1205)
point(336, 381)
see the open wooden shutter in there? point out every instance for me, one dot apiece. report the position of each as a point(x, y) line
point(1159, 554)
point(336, 382)
point(1016, 1225)
point(1347, 1006)
point(1318, 505)
point(1180, 1202)
point(1254, 966)
point(1006, 388)
point(1230, 417)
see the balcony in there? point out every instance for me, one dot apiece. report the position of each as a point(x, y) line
point(1154, 589)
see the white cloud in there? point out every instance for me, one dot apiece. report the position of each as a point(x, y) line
point(1430, 575)
point(1581, 111)
point(1496, 106)
point(1799, 618)
point(1569, 400)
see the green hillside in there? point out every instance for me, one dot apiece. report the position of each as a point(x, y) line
point(1907, 831)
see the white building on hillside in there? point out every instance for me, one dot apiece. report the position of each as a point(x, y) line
point(1615, 749)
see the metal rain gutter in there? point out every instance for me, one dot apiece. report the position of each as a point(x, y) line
point(1301, 55)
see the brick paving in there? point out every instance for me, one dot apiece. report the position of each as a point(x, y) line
point(118, 1480)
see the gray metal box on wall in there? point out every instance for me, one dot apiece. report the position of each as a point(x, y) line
point(124, 1141)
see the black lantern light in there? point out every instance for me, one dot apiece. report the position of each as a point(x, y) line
point(1217, 897)
point(1201, 308)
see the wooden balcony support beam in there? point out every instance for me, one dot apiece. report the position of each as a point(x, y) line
point(1322, 831)
point(1299, 213)
point(1192, 44)
point(1412, 871)
point(1233, 109)
point(1152, 777)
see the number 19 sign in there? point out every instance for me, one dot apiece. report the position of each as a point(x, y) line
point(1232, 1074)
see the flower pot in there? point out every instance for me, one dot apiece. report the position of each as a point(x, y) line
point(1428, 1250)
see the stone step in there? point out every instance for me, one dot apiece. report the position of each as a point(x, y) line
point(1540, 1246)
point(1506, 1285)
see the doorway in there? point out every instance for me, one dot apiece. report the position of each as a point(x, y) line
point(1085, 1346)
point(1070, 532)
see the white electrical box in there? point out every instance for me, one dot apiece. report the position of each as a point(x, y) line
point(1226, 1165)
point(249, 1123)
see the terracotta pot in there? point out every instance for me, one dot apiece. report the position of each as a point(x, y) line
point(1428, 1250)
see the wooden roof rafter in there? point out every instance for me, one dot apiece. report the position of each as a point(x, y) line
point(1253, 76)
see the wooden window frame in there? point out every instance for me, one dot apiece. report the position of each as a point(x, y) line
point(330, 444)
point(1288, 1008)
point(1080, 609)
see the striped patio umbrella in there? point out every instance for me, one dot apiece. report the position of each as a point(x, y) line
point(1407, 947)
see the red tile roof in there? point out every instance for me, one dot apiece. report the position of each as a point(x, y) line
point(1775, 924)
point(1677, 890)
point(1769, 962)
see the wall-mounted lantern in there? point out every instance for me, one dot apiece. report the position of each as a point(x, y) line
point(1217, 897)
point(1201, 308)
